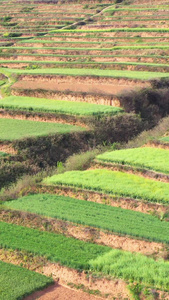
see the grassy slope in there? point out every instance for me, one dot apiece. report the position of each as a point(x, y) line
point(13, 129)
point(115, 219)
point(113, 182)
point(147, 157)
point(17, 282)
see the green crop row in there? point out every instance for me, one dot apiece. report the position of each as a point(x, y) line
point(83, 63)
point(80, 255)
point(57, 106)
point(150, 158)
point(115, 219)
point(140, 75)
point(134, 267)
point(17, 282)
point(56, 247)
point(13, 129)
point(115, 183)
point(125, 29)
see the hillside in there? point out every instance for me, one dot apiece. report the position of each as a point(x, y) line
point(84, 149)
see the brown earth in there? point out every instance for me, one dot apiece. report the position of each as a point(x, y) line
point(61, 292)
point(68, 96)
point(37, 118)
point(7, 149)
point(67, 277)
point(94, 88)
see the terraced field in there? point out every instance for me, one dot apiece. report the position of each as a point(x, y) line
point(75, 77)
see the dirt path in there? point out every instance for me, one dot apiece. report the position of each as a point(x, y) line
point(61, 292)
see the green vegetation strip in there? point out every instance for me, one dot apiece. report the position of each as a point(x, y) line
point(2, 154)
point(57, 106)
point(89, 72)
point(80, 255)
point(115, 183)
point(81, 63)
point(165, 139)
point(115, 219)
point(17, 282)
point(150, 158)
point(12, 129)
point(2, 82)
point(56, 247)
point(134, 267)
point(125, 29)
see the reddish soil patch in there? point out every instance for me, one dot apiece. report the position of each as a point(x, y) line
point(69, 96)
point(41, 119)
point(8, 149)
point(77, 87)
point(60, 292)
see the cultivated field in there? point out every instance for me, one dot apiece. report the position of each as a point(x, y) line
point(84, 172)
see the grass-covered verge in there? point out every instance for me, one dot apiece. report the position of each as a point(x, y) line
point(55, 247)
point(115, 183)
point(134, 267)
point(17, 282)
point(13, 129)
point(149, 158)
point(118, 220)
point(56, 106)
point(90, 72)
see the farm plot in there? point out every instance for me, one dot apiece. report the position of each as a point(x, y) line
point(146, 157)
point(17, 282)
point(78, 254)
point(58, 107)
point(12, 129)
point(56, 247)
point(118, 220)
point(91, 72)
point(114, 183)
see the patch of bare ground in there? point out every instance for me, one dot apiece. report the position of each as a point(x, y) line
point(60, 292)
point(8, 149)
point(67, 277)
point(150, 174)
point(157, 144)
point(83, 232)
point(34, 117)
point(68, 96)
point(126, 203)
point(82, 87)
